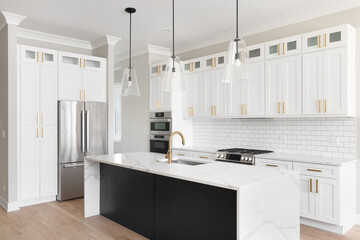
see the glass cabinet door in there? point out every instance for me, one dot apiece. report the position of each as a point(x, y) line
point(219, 60)
point(154, 70)
point(291, 46)
point(188, 67)
point(256, 52)
point(48, 57)
point(30, 54)
point(313, 41)
point(70, 60)
point(336, 37)
point(273, 49)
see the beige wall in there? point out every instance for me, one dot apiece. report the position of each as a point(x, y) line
point(53, 46)
point(4, 111)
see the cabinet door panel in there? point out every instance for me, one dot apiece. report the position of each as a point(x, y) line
point(155, 86)
point(48, 161)
point(307, 197)
point(199, 98)
point(48, 95)
point(188, 96)
point(291, 100)
point(70, 84)
point(313, 83)
point(234, 99)
point(94, 85)
point(219, 94)
point(335, 81)
point(29, 163)
point(327, 201)
point(29, 93)
point(256, 94)
point(210, 94)
point(274, 88)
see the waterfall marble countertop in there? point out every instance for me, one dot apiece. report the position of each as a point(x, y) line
point(220, 174)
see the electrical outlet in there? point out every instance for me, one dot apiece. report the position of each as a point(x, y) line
point(282, 138)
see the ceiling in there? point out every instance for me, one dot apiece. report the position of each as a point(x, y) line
point(196, 20)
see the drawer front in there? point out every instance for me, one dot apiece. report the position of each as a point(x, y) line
point(204, 156)
point(180, 153)
point(273, 163)
point(317, 170)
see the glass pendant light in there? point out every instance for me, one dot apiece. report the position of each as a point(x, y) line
point(129, 84)
point(174, 77)
point(237, 67)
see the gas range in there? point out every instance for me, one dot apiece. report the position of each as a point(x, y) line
point(239, 155)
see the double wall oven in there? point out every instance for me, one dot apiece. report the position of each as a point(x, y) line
point(160, 131)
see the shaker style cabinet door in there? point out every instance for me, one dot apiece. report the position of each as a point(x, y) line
point(218, 94)
point(70, 84)
point(94, 85)
point(188, 97)
point(255, 104)
point(274, 89)
point(313, 83)
point(48, 95)
point(327, 200)
point(235, 99)
point(155, 86)
point(307, 197)
point(335, 78)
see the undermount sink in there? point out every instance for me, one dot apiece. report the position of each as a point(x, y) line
point(187, 162)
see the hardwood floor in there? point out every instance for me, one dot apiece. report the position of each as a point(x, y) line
point(65, 220)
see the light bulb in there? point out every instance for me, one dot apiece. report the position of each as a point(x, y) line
point(129, 83)
point(237, 63)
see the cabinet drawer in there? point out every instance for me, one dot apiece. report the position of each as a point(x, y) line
point(204, 156)
point(317, 170)
point(180, 153)
point(273, 163)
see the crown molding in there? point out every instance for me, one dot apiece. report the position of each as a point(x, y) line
point(46, 37)
point(10, 18)
point(300, 16)
point(148, 49)
point(105, 40)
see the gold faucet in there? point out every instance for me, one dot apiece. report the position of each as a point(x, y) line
point(169, 153)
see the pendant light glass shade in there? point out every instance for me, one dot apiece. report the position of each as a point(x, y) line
point(129, 83)
point(237, 67)
point(174, 76)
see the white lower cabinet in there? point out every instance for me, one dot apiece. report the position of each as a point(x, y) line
point(327, 193)
point(38, 162)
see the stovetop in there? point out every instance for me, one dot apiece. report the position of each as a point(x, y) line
point(244, 150)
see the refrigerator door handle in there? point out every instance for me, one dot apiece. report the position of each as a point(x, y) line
point(73, 165)
point(87, 117)
point(82, 132)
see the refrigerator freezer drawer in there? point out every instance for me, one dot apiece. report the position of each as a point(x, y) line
point(71, 181)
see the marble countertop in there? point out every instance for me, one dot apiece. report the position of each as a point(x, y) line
point(305, 158)
point(220, 174)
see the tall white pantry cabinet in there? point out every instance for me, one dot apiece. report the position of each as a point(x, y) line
point(44, 79)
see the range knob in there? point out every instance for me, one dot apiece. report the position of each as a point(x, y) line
point(217, 155)
point(246, 158)
point(250, 159)
point(242, 158)
point(222, 155)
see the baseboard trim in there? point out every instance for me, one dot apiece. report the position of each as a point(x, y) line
point(36, 201)
point(9, 207)
point(326, 226)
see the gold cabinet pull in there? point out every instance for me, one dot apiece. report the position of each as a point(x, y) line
point(84, 94)
point(283, 48)
point(215, 62)
point(189, 111)
point(212, 63)
point(80, 95)
point(272, 165)
point(215, 110)
point(279, 49)
point(180, 154)
point(325, 40)
point(319, 105)
point(42, 118)
point(212, 110)
point(283, 107)
point(80, 62)
point(192, 66)
point(319, 41)
point(317, 186)
point(203, 157)
point(37, 56)
point(311, 190)
point(314, 170)
point(37, 118)
point(158, 70)
point(279, 107)
point(42, 132)
point(245, 109)
point(37, 132)
point(242, 109)
point(42, 57)
point(325, 105)
point(192, 111)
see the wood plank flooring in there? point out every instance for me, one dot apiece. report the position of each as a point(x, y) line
point(65, 220)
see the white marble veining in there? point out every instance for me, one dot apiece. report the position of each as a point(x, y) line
point(306, 159)
point(268, 198)
point(193, 148)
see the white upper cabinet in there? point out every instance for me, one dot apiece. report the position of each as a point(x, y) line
point(159, 100)
point(158, 69)
point(283, 86)
point(256, 52)
point(215, 94)
point(193, 65)
point(38, 55)
point(215, 61)
point(194, 99)
point(48, 95)
point(283, 47)
point(328, 38)
point(82, 78)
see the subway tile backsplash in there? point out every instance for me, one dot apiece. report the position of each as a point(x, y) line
point(328, 136)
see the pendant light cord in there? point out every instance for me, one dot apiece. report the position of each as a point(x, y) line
point(130, 45)
point(173, 23)
point(237, 30)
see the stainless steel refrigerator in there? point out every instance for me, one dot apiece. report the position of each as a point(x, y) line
point(82, 131)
